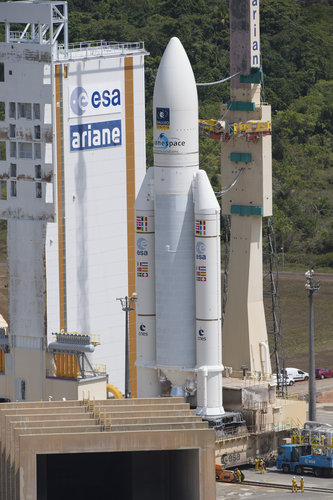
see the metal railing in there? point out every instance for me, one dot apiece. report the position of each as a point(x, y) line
point(98, 48)
point(297, 396)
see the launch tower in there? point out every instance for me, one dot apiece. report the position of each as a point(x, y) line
point(247, 155)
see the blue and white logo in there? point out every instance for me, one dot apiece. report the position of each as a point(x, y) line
point(162, 143)
point(79, 101)
point(200, 247)
point(98, 99)
point(163, 118)
point(95, 135)
point(142, 244)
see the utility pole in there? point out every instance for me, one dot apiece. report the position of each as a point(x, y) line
point(311, 287)
point(127, 304)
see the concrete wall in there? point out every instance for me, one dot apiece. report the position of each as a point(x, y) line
point(155, 448)
point(76, 389)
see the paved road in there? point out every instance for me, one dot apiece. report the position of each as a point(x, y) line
point(303, 387)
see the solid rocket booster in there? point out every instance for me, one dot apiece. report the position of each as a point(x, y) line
point(177, 246)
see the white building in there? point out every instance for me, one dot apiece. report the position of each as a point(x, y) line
point(72, 145)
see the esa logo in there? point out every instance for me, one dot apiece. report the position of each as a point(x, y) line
point(200, 251)
point(164, 143)
point(142, 245)
point(143, 331)
point(95, 100)
point(201, 335)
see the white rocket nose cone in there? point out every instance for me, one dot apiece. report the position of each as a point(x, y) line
point(175, 82)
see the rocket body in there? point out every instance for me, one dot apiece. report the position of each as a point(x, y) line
point(176, 197)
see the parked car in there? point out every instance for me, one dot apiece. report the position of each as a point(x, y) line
point(297, 374)
point(288, 380)
point(324, 373)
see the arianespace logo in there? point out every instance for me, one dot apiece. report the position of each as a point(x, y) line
point(164, 143)
point(95, 135)
point(94, 100)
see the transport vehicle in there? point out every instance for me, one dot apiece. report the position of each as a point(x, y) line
point(300, 458)
point(283, 379)
point(324, 373)
point(226, 476)
point(296, 374)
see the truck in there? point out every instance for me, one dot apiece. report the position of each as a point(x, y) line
point(300, 458)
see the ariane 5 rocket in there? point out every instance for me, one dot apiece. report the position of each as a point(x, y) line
point(178, 251)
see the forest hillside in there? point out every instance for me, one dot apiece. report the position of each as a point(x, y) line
point(297, 61)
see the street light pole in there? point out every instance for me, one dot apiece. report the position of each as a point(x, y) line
point(127, 304)
point(311, 288)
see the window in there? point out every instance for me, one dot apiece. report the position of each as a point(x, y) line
point(38, 154)
point(24, 110)
point(2, 111)
point(2, 150)
point(13, 170)
point(38, 189)
point(12, 110)
point(2, 72)
point(12, 149)
point(37, 132)
point(38, 171)
point(12, 130)
point(13, 191)
point(25, 150)
point(3, 187)
point(36, 111)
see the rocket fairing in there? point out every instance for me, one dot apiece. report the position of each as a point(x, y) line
point(178, 251)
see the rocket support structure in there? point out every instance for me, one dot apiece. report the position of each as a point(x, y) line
point(245, 344)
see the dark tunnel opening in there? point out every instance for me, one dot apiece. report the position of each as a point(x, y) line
point(136, 475)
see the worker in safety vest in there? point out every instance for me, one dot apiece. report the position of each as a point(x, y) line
point(262, 466)
point(301, 484)
point(256, 464)
point(294, 485)
point(238, 475)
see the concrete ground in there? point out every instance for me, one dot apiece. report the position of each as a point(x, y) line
point(236, 491)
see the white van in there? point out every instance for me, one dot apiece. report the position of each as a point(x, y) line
point(287, 380)
point(297, 374)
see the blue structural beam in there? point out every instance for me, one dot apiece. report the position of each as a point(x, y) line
point(241, 105)
point(246, 210)
point(244, 157)
point(255, 76)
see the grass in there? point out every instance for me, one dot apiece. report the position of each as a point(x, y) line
point(295, 321)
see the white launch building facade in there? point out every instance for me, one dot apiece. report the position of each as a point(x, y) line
point(73, 155)
point(178, 248)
